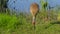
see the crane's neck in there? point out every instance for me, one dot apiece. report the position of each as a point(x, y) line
point(33, 20)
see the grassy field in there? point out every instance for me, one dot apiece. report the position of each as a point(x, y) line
point(11, 24)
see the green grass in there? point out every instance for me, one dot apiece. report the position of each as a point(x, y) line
point(10, 24)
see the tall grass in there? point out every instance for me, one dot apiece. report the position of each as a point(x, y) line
point(12, 24)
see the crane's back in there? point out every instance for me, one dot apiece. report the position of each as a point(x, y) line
point(34, 7)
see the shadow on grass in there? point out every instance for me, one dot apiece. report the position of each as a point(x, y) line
point(52, 23)
point(58, 22)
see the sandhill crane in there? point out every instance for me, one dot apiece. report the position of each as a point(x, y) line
point(34, 8)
